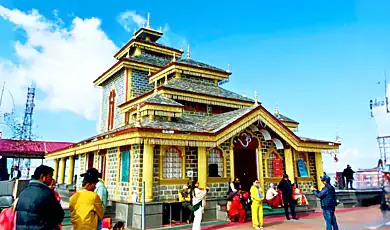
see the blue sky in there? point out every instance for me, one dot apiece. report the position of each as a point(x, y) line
point(319, 61)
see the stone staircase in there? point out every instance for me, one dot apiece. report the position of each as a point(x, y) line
point(347, 199)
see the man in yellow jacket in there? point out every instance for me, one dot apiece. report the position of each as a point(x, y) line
point(85, 206)
point(257, 197)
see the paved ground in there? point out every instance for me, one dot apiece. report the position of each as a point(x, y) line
point(363, 218)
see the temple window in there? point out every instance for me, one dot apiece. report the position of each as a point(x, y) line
point(215, 163)
point(125, 166)
point(111, 110)
point(274, 164)
point(172, 164)
point(302, 165)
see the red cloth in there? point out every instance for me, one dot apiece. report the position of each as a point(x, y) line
point(8, 219)
point(276, 201)
point(236, 212)
point(58, 198)
point(107, 222)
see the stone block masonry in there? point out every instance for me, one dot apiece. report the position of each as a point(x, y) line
point(111, 172)
point(312, 168)
point(140, 83)
point(218, 190)
point(115, 82)
point(137, 157)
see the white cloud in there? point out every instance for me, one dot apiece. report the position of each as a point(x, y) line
point(128, 18)
point(62, 60)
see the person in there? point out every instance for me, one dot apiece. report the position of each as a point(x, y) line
point(119, 226)
point(85, 206)
point(348, 174)
point(37, 207)
point(106, 223)
point(286, 188)
point(101, 189)
point(257, 205)
point(235, 209)
point(16, 173)
point(7, 217)
point(298, 196)
point(197, 197)
point(273, 197)
point(52, 186)
point(234, 186)
point(185, 199)
point(328, 203)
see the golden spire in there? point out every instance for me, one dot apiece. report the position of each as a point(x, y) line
point(228, 70)
point(256, 103)
point(188, 53)
point(148, 25)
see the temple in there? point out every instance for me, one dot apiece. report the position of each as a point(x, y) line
point(165, 120)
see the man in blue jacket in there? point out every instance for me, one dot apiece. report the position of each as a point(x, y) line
point(37, 207)
point(328, 203)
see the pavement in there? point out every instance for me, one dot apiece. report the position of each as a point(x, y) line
point(366, 218)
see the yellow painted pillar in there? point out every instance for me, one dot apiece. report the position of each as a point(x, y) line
point(260, 167)
point(231, 151)
point(289, 164)
point(55, 167)
point(147, 172)
point(61, 171)
point(70, 170)
point(224, 165)
point(202, 167)
point(319, 169)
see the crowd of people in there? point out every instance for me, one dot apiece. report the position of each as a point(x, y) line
point(39, 205)
point(285, 194)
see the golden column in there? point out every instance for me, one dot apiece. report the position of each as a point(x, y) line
point(147, 172)
point(61, 172)
point(202, 167)
point(260, 167)
point(231, 153)
point(70, 170)
point(319, 169)
point(55, 165)
point(289, 164)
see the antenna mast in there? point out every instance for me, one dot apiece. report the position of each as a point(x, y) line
point(27, 119)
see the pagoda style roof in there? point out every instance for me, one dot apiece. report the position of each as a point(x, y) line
point(149, 59)
point(198, 64)
point(208, 89)
point(161, 100)
point(285, 118)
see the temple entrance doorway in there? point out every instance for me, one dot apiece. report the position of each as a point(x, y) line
point(245, 159)
point(245, 167)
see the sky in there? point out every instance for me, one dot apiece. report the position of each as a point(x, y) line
point(319, 62)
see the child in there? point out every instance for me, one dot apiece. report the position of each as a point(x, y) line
point(119, 226)
point(57, 195)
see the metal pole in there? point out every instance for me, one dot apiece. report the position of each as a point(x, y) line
point(143, 206)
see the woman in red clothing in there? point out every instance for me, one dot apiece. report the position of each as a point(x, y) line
point(57, 195)
point(235, 209)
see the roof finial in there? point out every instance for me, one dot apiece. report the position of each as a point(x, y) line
point(181, 48)
point(277, 110)
point(149, 73)
point(228, 70)
point(337, 136)
point(256, 102)
point(160, 29)
point(188, 53)
point(148, 25)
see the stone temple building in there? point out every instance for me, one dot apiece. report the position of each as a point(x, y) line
point(165, 120)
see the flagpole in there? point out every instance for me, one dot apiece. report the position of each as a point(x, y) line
point(1, 96)
point(386, 98)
